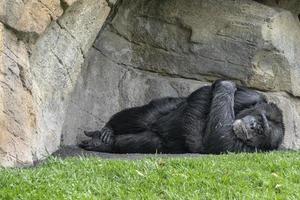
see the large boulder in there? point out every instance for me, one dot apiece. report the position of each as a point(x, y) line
point(291, 109)
point(29, 16)
point(38, 76)
point(53, 85)
point(17, 111)
point(150, 46)
point(56, 63)
point(291, 5)
point(105, 87)
point(246, 41)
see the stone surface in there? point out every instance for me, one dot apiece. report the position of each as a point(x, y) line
point(32, 16)
point(85, 27)
point(112, 2)
point(158, 48)
point(291, 115)
point(245, 41)
point(56, 63)
point(291, 5)
point(17, 116)
point(69, 2)
point(35, 87)
point(105, 87)
point(148, 49)
point(72, 151)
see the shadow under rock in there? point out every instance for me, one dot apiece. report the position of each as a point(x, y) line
point(74, 151)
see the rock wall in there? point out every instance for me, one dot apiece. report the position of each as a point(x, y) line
point(42, 47)
point(53, 85)
point(291, 5)
point(17, 118)
point(151, 49)
point(56, 63)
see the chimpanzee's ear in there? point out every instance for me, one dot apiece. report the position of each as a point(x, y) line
point(90, 133)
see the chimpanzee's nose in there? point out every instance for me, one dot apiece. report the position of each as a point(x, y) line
point(252, 123)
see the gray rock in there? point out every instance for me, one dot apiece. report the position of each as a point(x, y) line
point(17, 110)
point(158, 48)
point(105, 87)
point(68, 2)
point(56, 63)
point(148, 49)
point(35, 87)
point(246, 41)
point(85, 27)
point(291, 5)
point(30, 16)
point(291, 109)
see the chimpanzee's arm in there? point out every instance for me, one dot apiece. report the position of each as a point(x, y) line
point(137, 119)
point(219, 136)
point(245, 98)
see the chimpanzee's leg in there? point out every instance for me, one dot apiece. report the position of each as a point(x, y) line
point(138, 119)
point(145, 142)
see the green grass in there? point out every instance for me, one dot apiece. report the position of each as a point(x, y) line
point(234, 176)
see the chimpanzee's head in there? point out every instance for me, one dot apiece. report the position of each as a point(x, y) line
point(260, 126)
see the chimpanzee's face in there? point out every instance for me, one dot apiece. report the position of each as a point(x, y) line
point(260, 126)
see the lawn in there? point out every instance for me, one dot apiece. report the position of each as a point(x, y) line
point(273, 175)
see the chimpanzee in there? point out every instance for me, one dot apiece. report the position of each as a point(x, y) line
point(212, 120)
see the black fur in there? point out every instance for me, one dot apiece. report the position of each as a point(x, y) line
point(200, 123)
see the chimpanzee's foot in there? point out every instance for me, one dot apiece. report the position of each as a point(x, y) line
point(95, 145)
point(106, 135)
point(100, 140)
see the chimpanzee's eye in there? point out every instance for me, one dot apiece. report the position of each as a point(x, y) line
point(260, 120)
point(260, 130)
